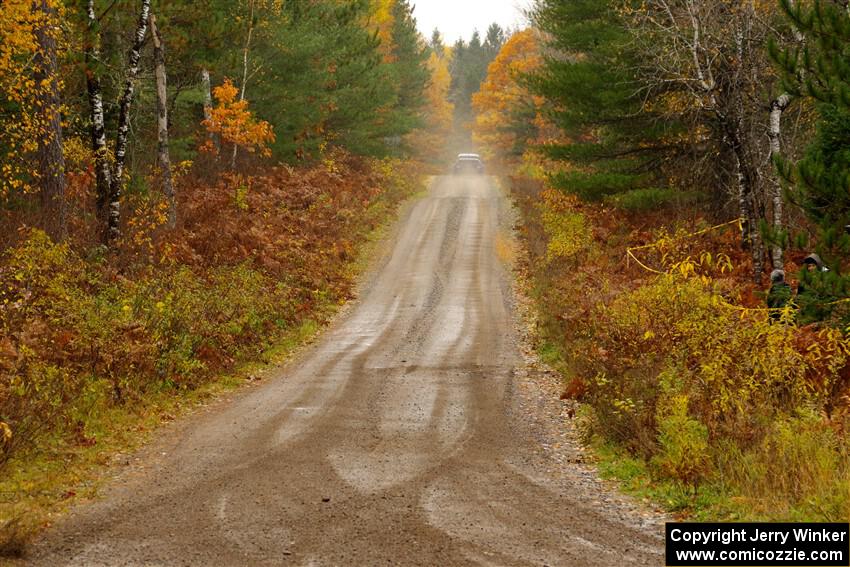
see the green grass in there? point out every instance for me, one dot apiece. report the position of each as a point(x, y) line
point(550, 354)
point(635, 479)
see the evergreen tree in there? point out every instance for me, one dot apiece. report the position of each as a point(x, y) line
point(324, 79)
point(820, 182)
point(588, 80)
point(436, 44)
point(409, 69)
point(458, 84)
point(316, 61)
point(494, 40)
point(469, 68)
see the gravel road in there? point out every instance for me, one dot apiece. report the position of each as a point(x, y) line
point(416, 431)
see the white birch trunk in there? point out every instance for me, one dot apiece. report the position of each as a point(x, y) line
point(162, 123)
point(114, 218)
point(103, 170)
point(245, 52)
point(206, 85)
point(777, 107)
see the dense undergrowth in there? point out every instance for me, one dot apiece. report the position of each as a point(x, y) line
point(698, 396)
point(84, 333)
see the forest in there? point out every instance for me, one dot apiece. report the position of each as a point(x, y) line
point(186, 187)
point(682, 171)
point(188, 190)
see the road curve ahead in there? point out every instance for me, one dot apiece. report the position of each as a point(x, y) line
point(392, 441)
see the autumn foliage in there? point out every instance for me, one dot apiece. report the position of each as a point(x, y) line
point(430, 141)
point(183, 184)
point(22, 118)
point(678, 362)
point(78, 335)
point(236, 125)
point(382, 21)
point(506, 112)
point(643, 140)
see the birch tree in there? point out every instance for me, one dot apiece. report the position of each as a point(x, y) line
point(162, 123)
point(102, 166)
point(206, 86)
point(246, 48)
point(121, 139)
point(777, 107)
point(110, 176)
point(707, 64)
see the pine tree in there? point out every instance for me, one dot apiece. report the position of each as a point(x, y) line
point(469, 69)
point(436, 44)
point(494, 40)
point(409, 68)
point(587, 78)
point(327, 79)
point(820, 182)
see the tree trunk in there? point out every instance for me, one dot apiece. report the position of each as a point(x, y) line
point(777, 107)
point(114, 218)
point(103, 171)
point(207, 88)
point(245, 51)
point(750, 235)
point(162, 123)
point(51, 162)
point(737, 134)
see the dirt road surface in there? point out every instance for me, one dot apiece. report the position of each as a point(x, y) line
point(401, 438)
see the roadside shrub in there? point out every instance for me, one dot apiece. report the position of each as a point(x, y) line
point(201, 322)
point(683, 443)
point(679, 365)
point(80, 331)
point(567, 230)
point(67, 336)
point(635, 334)
point(798, 470)
point(38, 280)
point(735, 366)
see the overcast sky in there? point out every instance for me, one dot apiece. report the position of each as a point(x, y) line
point(458, 18)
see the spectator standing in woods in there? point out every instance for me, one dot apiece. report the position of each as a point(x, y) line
point(813, 263)
point(779, 295)
point(810, 296)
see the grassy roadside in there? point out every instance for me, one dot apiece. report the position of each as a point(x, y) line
point(712, 412)
point(632, 475)
point(39, 485)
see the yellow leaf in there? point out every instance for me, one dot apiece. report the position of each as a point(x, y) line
point(5, 432)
